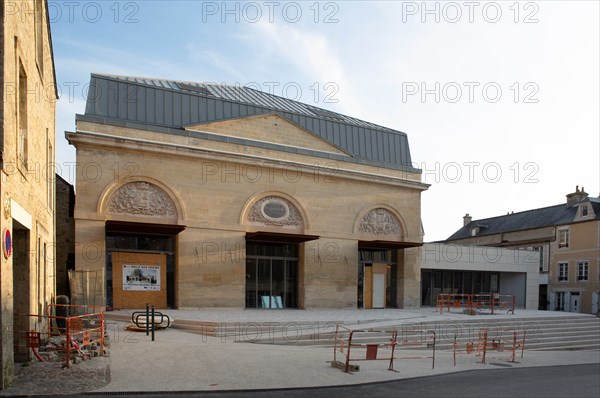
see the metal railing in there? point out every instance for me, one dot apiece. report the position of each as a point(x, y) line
point(378, 344)
point(475, 303)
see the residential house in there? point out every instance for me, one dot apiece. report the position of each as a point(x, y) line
point(567, 237)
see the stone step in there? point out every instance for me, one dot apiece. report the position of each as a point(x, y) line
point(574, 335)
point(228, 326)
point(309, 332)
point(568, 347)
point(583, 344)
point(545, 333)
point(532, 329)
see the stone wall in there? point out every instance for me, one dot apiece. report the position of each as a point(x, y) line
point(65, 233)
point(27, 183)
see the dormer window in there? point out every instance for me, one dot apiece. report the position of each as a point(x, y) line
point(584, 210)
point(477, 228)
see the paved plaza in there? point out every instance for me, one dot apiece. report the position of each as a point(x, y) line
point(179, 360)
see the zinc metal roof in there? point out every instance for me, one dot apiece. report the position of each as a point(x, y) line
point(164, 105)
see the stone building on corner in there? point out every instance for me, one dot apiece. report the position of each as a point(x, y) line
point(202, 195)
point(27, 138)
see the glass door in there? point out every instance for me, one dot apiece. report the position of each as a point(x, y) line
point(263, 280)
point(271, 281)
point(251, 283)
point(291, 284)
point(278, 288)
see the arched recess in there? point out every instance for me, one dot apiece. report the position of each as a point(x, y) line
point(274, 209)
point(141, 196)
point(380, 220)
point(141, 207)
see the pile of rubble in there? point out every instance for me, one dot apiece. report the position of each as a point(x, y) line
point(53, 350)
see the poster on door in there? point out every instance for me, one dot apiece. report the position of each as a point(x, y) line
point(141, 277)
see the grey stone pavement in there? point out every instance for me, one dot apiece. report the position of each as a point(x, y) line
point(182, 361)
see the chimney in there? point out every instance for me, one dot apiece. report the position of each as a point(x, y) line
point(467, 220)
point(576, 197)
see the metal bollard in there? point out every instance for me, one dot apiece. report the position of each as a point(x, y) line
point(147, 319)
point(152, 322)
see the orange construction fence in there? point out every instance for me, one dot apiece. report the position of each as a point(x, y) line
point(499, 340)
point(379, 345)
point(81, 325)
point(474, 303)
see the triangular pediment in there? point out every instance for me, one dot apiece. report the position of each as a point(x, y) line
point(270, 128)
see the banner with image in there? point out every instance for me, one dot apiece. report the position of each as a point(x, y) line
point(141, 277)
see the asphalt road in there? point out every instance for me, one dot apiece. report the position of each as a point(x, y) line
point(572, 381)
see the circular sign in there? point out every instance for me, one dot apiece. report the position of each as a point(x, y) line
point(7, 241)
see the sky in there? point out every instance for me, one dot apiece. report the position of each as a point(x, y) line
point(500, 100)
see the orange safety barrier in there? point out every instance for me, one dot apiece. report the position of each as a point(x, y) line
point(89, 326)
point(474, 303)
point(372, 340)
point(497, 343)
point(79, 326)
point(487, 342)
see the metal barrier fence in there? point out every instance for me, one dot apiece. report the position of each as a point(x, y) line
point(80, 325)
point(474, 303)
point(500, 341)
point(375, 341)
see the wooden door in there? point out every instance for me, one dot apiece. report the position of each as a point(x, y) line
point(368, 287)
point(139, 278)
point(379, 285)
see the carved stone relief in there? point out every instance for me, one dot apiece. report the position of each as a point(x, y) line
point(141, 198)
point(276, 211)
point(380, 221)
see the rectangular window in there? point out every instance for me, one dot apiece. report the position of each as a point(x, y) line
point(560, 301)
point(584, 210)
point(540, 250)
point(51, 174)
point(582, 270)
point(563, 272)
point(563, 238)
point(22, 118)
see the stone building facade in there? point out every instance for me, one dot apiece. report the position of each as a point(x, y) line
point(201, 195)
point(27, 142)
point(65, 234)
point(567, 237)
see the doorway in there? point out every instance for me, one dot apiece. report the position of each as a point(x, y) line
point(136, 247)
point(377, 279)
point(21, 287)
point(271, 275)
point(139, 279)
point(543, 298)
point(575, 302)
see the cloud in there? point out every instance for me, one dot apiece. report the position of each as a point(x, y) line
point(202, 57)
point(309, 52)
point(89, 57)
